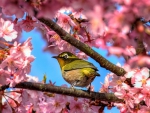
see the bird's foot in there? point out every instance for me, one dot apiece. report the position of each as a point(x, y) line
point(89, 88)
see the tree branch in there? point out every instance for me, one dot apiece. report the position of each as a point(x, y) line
point(83, 47)
point(109, 97)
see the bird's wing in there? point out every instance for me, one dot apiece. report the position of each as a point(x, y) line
point(79, 64)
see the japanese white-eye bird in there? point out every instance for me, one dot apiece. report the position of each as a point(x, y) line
point(76, 71)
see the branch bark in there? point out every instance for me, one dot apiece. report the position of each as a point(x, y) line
point(83, 47)
point(109, 97)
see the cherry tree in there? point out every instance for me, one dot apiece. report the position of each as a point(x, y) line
point(120, 27)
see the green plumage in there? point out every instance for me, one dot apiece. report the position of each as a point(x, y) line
point(79, 64)
point(76, 71)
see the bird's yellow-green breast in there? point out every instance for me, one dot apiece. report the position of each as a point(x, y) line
point(76, 71)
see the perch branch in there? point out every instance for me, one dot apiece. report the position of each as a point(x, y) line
point(109, 97)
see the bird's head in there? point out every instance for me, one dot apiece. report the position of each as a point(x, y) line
point(65, 58)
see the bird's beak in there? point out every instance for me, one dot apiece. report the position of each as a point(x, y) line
point(54, 56)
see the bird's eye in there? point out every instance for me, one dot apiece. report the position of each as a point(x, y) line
point(65, 56)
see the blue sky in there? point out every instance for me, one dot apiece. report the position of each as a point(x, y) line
point(45, 64)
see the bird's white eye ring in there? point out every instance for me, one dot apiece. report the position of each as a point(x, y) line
point(65, 56)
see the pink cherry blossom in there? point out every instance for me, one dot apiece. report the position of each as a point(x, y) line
point(17, 63)
point(7, 30)
point(99, 43)
point(125, 94)
point(116, 51)
point(122, 107)
point(144, 109)
point(116, 82)
point(57, 103)
point(140, 77)
point(12, 7)
point(82, 55)
point(105, 86)
point(143, 62)
point(97, 20)
point(131, 73)
point(86, 107)
point(65, 21)
point(28, 23)
point(137, 95)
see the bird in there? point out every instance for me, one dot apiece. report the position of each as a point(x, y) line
point(77, 72)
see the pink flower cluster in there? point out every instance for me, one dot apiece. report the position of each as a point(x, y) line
point(105, 21)
point(16, 58)
point(71, 25)
point(26, 101)
point(16, 65)
point(136, 94)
